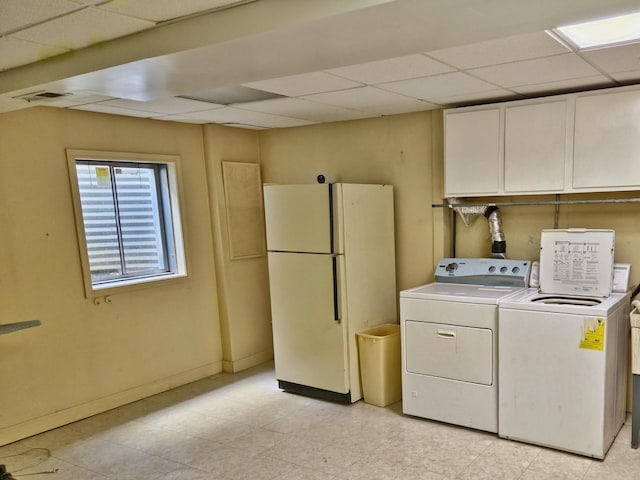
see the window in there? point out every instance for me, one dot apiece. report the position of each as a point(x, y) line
point(128, 219)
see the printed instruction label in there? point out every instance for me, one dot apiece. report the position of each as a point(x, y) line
point(593, 334)
point(576, 262)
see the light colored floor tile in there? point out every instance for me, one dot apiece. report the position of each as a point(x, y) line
point(188, 473)
point(515, 453)
point(560, 465)
point(491, 468)
point(177, 447)
point(624, 435)
point(449, 461)
point(326, 458)
point(242, 427)
point(56, 439)
point(621, 463)
point(256, 441)
point(416, 473)
point(228, 431)
point(533, 475)
point(222, 461)
point(295, 472)
point(372, 467)
point(62, 469)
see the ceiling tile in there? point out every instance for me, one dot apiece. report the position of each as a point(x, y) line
point(18, 52)
point(392, 69)
point(564, 86)
point(622, 58)
point(499, 94)
point(167, 106)
point(541, 70)
point(183, 118)
point(83, 28)
point(503, 50)
point(8, 104)
point(438, 86)
point(304, 84)
point(77, 99)
point(16, 14)
point(102, 108)
point(161, 10)
point(241, 125)
point(304, 109)
point(372, 100)
point(236, 115)
point(627, 78)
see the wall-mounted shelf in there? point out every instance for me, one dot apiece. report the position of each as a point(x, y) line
point(453, 206)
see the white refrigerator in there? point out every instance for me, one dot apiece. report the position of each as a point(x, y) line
point(331, 253)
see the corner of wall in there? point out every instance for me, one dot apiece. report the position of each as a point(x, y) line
point(243, 283)
point(441, 217)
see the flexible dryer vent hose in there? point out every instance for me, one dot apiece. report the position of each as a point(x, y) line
point(498, 243)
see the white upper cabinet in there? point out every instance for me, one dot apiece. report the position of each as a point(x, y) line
point(607, 141)
point(535, 140)
point(472, 152)
point(580, 142)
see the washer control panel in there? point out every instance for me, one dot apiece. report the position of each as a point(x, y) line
point(484, 271)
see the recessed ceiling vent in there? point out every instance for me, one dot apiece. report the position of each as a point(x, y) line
point(40, 96)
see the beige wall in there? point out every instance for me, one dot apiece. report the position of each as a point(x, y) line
point(396, 150)
point(87, 358)
point(522, 226)
point(243, 289)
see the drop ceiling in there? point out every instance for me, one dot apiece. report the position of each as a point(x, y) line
point(284, 63)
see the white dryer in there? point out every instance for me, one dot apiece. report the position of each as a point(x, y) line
point(449, 340)
point(563, 349)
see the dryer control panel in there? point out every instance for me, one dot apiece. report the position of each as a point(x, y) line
point(484, 271)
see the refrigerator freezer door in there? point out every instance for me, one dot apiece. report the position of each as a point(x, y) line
point(310, 345)
point(298, 218)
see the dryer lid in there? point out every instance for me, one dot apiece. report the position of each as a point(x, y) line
point(576, 262)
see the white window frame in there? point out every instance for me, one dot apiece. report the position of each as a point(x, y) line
point(172, 164)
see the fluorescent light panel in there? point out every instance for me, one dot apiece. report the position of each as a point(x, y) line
point(605, 32)
point(231, 94)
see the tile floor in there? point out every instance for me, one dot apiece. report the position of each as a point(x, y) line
point(241, 426)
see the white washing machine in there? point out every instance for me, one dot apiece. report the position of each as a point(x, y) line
point(563, 349)
point(449, 340)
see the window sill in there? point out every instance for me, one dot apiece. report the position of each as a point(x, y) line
point(133, 284)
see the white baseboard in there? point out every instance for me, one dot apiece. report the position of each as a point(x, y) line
point(34, 426)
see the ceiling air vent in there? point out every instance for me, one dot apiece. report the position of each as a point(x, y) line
point(40, 96)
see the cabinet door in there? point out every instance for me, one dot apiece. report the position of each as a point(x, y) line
point(607, 140)
point(472, 153)
point(535, 146)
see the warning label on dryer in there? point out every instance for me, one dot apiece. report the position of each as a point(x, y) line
point(593, 334)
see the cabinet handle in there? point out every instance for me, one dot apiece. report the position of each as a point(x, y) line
point(446, 334)
point(336, 302)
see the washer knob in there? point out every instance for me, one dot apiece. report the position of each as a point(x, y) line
point(503, 269)
point(451, 267)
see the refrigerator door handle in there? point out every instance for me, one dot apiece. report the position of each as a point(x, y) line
point(331, 220)
point(336, 304)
